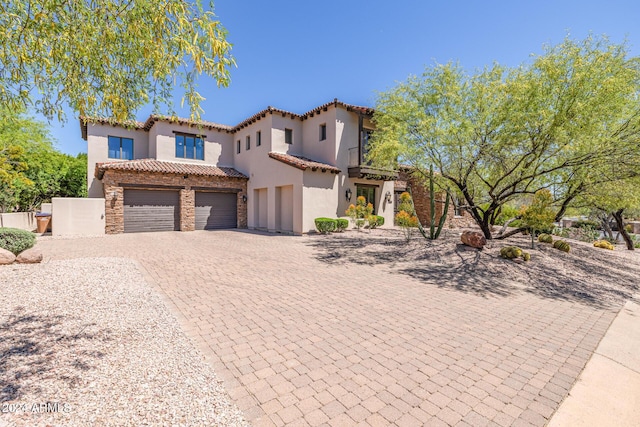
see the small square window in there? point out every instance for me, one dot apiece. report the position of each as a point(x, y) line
point(248, 143)
point(288, 136)
point(323, 132)
point(258, 139)
point(238, 147)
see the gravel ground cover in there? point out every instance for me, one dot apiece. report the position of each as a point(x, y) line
point(86, 342)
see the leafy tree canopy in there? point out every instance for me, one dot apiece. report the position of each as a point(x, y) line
point(107, 58)
point(502, 133)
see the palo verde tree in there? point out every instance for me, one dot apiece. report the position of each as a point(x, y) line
point(107, 58)
point(503, 133)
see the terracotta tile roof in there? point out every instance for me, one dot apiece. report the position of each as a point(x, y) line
point(302, 163)
point(349, 107)
point(262, 114)
point(181, 121)
point(84, 121)
point(152, 165)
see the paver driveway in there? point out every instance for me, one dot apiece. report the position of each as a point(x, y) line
point(299, 341)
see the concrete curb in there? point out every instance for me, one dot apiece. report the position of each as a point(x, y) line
point(608, 390)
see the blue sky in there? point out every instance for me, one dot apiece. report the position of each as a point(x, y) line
point(296, 55)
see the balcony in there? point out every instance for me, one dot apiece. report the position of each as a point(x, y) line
point(360, 168)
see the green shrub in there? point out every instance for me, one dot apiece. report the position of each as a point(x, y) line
point(562, 245)
point(585, 223)
point(342, 224)
point(375, 221)
point(325, 225)
point(16, 240)
point(603, 244)
point(506, 213)
point(545, 238)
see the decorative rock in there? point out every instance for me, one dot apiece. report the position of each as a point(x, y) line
point(474, 239)
point(30, 256)
point(6, 257)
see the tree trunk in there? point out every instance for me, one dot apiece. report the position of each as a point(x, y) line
point(617, 215)
point(511, 233)
point(604, 219)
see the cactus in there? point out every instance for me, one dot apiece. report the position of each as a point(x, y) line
point(545, 238)
point(512, 252)
point(603, 244)
point(562, 245)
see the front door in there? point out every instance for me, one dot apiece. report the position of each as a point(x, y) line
point(369, 193)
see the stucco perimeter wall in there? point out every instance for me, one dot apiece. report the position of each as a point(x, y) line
point(21, 220)
point(77, 216)
point(218, 145)
point(320, 151)
point(98, 150)
point(320, 198)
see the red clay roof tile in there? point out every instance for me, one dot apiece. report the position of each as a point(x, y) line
point(302, 163)
point(152, 165)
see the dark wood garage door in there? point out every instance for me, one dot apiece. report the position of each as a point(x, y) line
point(151, 210)
point(216, 210)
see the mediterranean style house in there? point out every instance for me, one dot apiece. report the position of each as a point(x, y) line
point(275, 171)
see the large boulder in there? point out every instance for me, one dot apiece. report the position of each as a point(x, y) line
point(6, 257)
point(475, 239)
point(30, 256)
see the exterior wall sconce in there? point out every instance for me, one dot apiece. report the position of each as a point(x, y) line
point(347, 194)
point(244, 198)
point(114, 195)
point(387, 197)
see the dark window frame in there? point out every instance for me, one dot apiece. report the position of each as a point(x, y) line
point(323, 132)
point(238, 147)
point(248, 142)
point(288, 136)
point(120, 150)
point(258, 138)
point(185, 148)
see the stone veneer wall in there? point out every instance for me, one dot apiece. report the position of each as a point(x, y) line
point(422, 203)
point(114, 206)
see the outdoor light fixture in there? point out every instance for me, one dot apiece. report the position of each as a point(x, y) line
point(347, 194)
point(244, 198)
point(114, 195)
point(388, 197)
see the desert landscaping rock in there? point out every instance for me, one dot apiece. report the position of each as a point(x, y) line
point(474, 239)
point(30, 256)
point(6, 257)
point(92, 338)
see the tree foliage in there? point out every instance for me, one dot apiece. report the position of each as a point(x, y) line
point(503, 133)
point(539, 215)
point(31, 170)
point(107, 58)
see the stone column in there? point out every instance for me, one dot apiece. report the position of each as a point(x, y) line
point(187, 210)
point(114, 209)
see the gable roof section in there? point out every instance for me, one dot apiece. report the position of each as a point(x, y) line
point(302, 163)
point(159, 166)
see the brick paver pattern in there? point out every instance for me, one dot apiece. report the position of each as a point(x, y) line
point(300, 341)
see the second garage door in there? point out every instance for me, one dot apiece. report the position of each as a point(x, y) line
point(216, 210)
point(151, 210)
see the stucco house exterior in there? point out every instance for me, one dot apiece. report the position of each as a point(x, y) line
point(275, 171)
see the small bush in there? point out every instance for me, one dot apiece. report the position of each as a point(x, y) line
point(325, 225)
point(585, 224)
point(545, 238)
point(560, 231)
point(562, 245)
point(342, 224)
point(603, 244)
point(16, 240)
point(375, 221)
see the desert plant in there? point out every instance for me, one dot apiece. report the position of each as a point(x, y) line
point(603, 244)
point(539, 215)
point(562, 245)
point(360, 212)
point(512, 252)
point(585, 223)
point(16, 240)
point(545, 238)
point(341, 224)
point(325, 225)
point(636, 241)
point(379, 220)
point(375, 221)
point(560, 232)
point(406, 218)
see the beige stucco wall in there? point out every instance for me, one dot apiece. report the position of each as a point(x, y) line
point(218, 150)
point(278, 126)
point(247, 160)
point(77, 216)
point(313, 148)
point(321, 198)
point(98, 150)
point(21, 220)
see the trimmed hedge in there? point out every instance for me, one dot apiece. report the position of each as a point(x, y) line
point(342, 224)
point(325, 225)
point(16, 240)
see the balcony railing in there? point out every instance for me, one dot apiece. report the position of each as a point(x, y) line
point(354, 157)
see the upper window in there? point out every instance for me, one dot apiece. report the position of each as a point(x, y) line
point(258, 138)
point(189, 147)
point(323, 132)
point(248, 142)
point(238, 147)
point(288, 136)
point(120, 148)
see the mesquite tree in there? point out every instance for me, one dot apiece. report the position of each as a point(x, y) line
point(502, 133)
